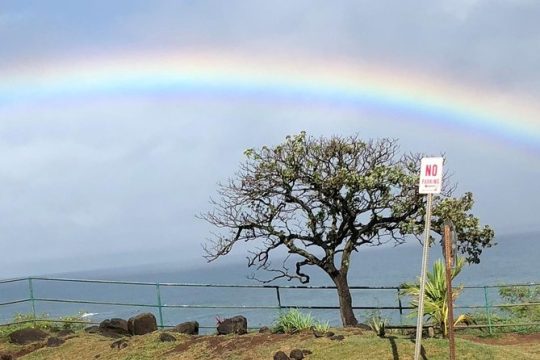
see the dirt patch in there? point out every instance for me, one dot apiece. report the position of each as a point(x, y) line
point(28, 349)
point(222, 344)
point(507, 339)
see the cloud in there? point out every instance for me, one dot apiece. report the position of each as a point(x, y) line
point(493, 43)
point(461, 9)
point(108, 176)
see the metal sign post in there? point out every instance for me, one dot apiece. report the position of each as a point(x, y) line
point(425, 253)
point(431, 171)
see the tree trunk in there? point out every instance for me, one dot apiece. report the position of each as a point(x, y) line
point(345, 300)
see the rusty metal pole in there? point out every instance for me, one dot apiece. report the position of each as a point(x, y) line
point(448, 228)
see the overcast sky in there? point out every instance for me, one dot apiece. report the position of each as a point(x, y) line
point(99, 181)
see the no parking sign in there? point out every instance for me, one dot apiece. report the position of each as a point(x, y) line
point(431, 172)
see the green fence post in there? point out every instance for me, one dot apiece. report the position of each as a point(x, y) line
point(400, 308)
point(158, 292)
point(32, 300)
point(278, 295)
point(488, 314)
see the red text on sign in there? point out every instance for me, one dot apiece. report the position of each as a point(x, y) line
point(431, 170)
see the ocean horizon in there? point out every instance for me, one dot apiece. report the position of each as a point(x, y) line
point(512, 260)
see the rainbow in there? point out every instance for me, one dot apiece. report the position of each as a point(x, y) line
point(440, 101)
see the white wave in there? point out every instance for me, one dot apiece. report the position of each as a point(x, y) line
point(85, 315)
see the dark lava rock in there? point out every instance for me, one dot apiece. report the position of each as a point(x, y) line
point(142, 324)
point(112, 333)
point(115, 325)
point(6, 356)
point(337, 337)
point(65, 332)
point(280, 355)
point(297, 354)
point(119, 344)
point(27, 336)
point(265, 330)
point(164, 337)
point(54, 341)
point(189, 328)
point(234, 325)
point(92, 329)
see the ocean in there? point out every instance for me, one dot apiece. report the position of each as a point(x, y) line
point(513, 260)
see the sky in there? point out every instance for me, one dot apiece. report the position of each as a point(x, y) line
point(119, 118)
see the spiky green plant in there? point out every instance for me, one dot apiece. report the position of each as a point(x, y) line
point(321, 327)
point(435, 299)
point(294, 320)
point(377, 324)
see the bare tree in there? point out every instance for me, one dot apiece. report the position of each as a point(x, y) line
point(321, 199)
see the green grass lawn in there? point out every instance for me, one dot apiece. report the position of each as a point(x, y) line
point(263, 346)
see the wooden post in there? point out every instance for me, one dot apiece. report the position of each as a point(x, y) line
point(448, 228)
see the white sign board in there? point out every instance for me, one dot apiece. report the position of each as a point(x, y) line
point(431, 173)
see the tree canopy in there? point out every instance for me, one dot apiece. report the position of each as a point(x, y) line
point(323, 198)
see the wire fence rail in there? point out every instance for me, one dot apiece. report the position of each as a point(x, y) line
point(159, 306)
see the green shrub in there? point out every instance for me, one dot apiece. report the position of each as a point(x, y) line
point(522, 295)
point(294, 320)
point(517, 314)
point(44, 322)
point(497, 318)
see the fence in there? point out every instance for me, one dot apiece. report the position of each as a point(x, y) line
point(31, 291)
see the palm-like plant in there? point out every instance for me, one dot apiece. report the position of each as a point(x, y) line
point(435, 299)
point(377, 324)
